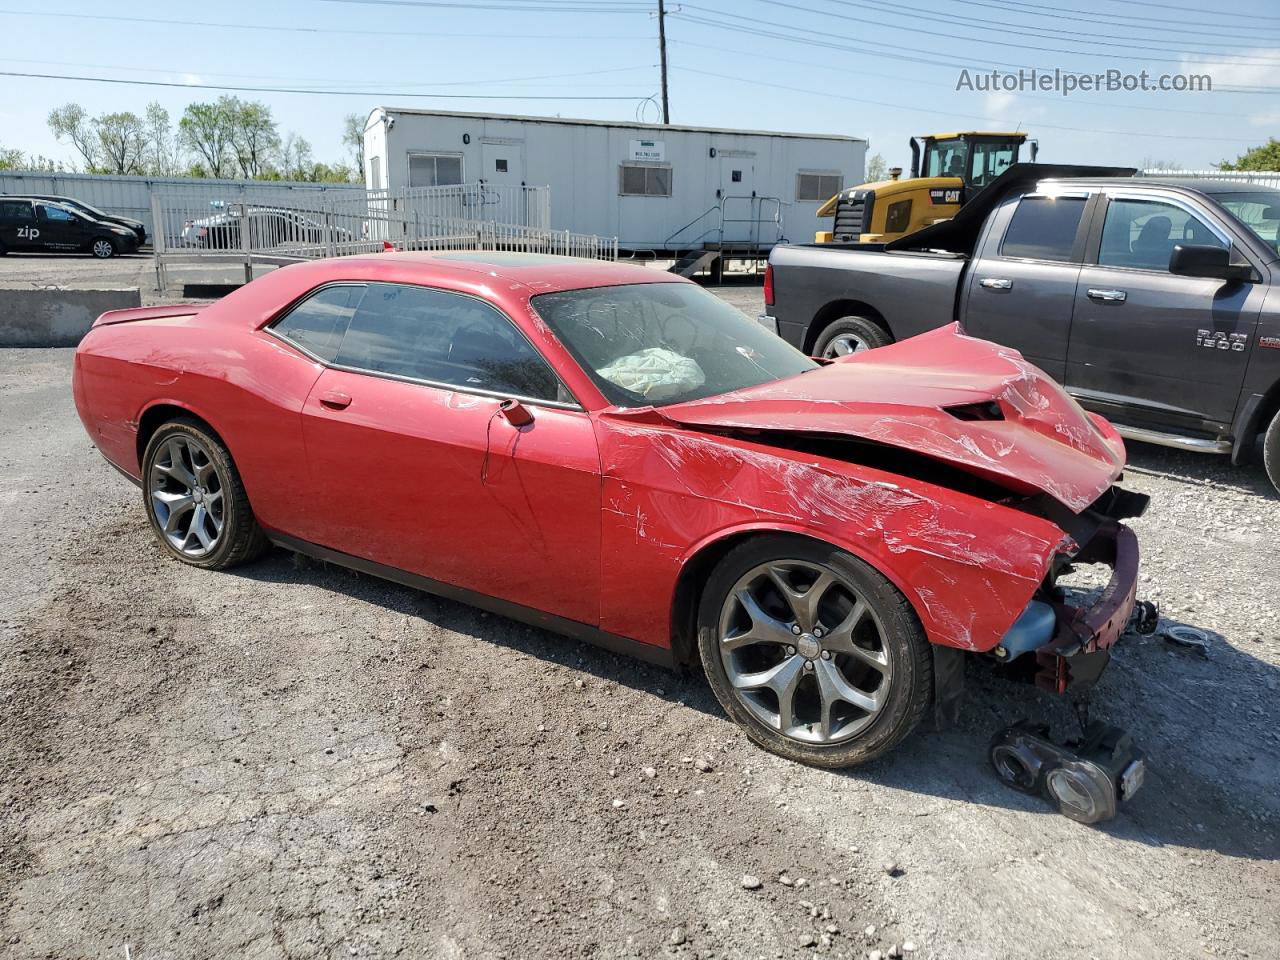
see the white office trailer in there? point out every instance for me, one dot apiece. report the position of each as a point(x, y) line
point(663, 188)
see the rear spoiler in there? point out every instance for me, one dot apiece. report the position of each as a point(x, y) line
point(146, 313)
point(960, 233)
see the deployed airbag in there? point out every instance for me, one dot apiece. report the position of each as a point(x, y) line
point(657, 374)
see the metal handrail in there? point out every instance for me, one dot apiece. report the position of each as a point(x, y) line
point(757, 219)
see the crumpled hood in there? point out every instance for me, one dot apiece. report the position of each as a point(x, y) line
point(922, 395)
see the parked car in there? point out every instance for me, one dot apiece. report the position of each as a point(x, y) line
point(1154, 301)
point(94, 213)
point(268, 228)
point(616, 454)
point(47, 227)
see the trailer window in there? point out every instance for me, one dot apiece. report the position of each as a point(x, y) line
point(434, 170)
point(1043, 228)
point(375, 173)
point(635, 180)
point(819, 187)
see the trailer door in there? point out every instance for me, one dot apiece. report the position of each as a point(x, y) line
point(738, 200)
point(502, 162)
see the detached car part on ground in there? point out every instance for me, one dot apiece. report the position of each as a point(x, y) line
point(616, 454)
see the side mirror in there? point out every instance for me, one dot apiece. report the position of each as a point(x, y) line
point(517, 414)
point(1205, 260)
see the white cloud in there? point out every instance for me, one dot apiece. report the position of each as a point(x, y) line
point(1238, 71)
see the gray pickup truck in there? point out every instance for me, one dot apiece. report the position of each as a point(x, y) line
point(1153, 301)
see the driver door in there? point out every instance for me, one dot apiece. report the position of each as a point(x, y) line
point(414, 465)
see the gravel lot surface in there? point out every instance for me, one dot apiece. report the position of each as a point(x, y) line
point(291, 760)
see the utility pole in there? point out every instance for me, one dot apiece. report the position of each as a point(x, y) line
point(662, 51)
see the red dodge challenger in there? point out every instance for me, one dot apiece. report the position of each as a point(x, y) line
point(613, 453)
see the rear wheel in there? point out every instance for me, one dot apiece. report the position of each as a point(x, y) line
point(850, 335)
point(103, 248)
point(1271, 451)
point(195, 499)
point(814, 653)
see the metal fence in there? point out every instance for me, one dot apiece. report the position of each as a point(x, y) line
point(131, 196)
point(194, 229)
point(1264, 178)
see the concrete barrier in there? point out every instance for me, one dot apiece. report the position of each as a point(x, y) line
point(56, 316)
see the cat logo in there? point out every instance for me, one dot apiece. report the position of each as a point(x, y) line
point(28, 233)
point(946, 195)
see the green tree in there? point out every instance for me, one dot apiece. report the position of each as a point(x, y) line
point(206, 130)
point(11, 159)
point(877, 169)
point(121, 142)
point(254, 138)
point(295, 156)
point(162, 155)
point(71, 121)
point(1265, 157)
point(353, 138)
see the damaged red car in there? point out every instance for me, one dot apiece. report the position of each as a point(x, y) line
point(616, 454)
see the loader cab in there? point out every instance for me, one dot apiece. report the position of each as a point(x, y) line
point(946, 170)
point(974, 158)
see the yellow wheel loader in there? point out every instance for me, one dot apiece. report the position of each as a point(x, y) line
point(946, 170)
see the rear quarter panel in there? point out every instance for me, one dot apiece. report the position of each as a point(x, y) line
point(911, 292)
point(244, 383)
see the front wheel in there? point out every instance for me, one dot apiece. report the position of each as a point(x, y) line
point(1271, 451)
point(814, 653)
point(195, 499)
point(850, 335)
point(103, 248)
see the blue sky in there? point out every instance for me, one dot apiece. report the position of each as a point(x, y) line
point(879, 69)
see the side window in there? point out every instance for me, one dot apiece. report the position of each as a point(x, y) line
point(56, 213)
point(1142, 233)
point(434, 170)
point(1043, 228)
point(445, 338)
point(17, 210)
point(819, 187)
point(635, 180)
point(318, 322)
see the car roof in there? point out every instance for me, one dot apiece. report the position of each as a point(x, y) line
point(546, 273)
point(1188, 184)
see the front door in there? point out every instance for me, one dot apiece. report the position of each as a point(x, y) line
point(738, 201)
point(1021, 288)
point(415, 466)
point(1151, 348)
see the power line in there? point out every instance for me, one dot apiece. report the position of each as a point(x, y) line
point(542, 6)
point(304, 90)
point(917, 28)
point(339, 31)
point(898, 78)
point(1030, 30)
point(952, 113)
point(1075, 14)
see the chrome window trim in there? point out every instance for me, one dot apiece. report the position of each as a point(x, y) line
point(437, 384)
point(1173, 200)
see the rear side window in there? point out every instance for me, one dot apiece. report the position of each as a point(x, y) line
point(16, 210)
point(56, 213)
point(1043, 228)
point(318, 323)
point(445, 338)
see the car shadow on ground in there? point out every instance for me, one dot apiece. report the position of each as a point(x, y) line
point(1201, 469)
point(1190, 799)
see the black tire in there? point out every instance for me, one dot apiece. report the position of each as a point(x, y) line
point(864, 333)
point(103, 248)
point(239, 538)
point(1271, 452)
point(909, 656)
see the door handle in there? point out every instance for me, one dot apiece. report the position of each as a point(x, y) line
point(335, 400)
point(996, 283)
point(1107, 296)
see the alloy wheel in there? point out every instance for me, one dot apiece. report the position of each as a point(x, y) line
point(844, 344)
point(102, 249)
point(804, 651)
point(186, 496)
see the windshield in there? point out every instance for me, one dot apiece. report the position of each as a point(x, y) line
point(945, 158)
point(659, 343)
point(1260, 212)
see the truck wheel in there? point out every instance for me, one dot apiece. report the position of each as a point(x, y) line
point(850, 335)
point(812, 652)
point(1271, 451)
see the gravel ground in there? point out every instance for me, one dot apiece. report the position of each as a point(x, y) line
point(290, 760)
